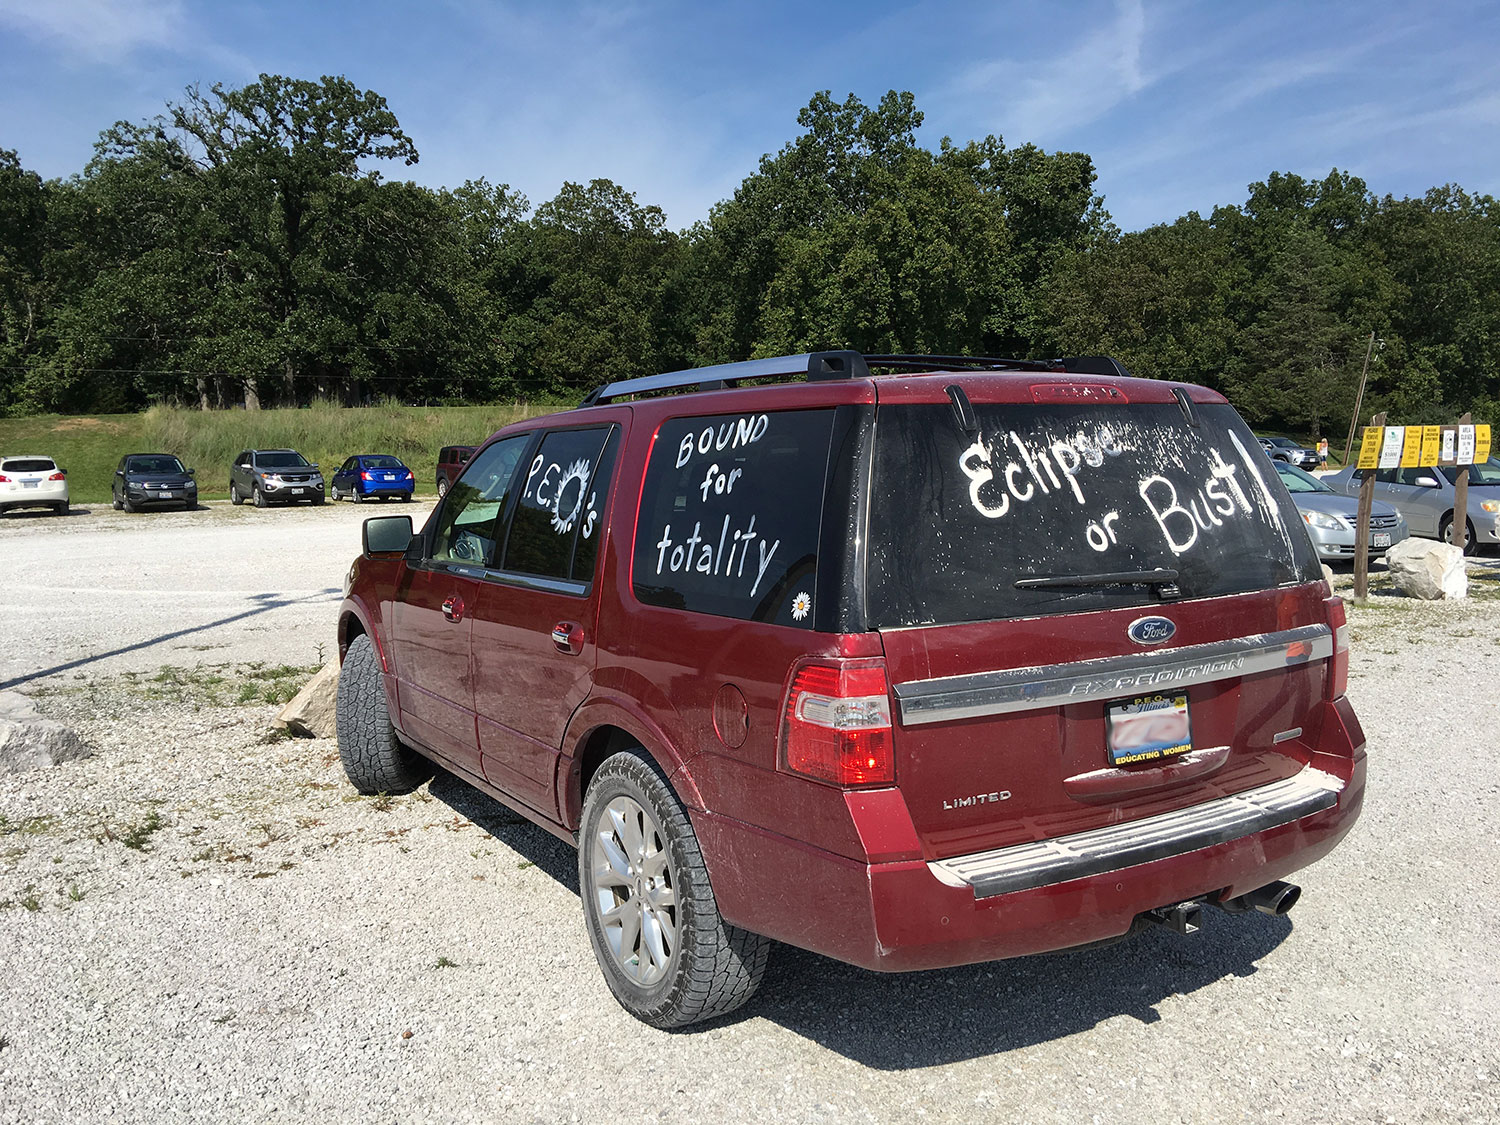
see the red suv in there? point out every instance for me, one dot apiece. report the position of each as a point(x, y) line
point(915, 662)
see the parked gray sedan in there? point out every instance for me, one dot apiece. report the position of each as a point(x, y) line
point(1425, 498)
point(1330, 516)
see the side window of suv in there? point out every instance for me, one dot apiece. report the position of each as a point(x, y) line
point(556, 528)
point(466, 527)
point(730, 515)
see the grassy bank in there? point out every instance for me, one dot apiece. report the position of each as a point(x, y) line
point(89, 447)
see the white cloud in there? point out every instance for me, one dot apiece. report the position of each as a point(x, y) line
point(103, 30)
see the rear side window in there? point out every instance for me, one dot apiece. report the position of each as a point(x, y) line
point(555, 531)
point(31, 465)
point(1070, 492)
point(730, 515)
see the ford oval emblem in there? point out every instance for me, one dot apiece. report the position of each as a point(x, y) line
point(1151, 630)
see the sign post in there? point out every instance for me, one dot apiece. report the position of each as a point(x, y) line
point(1461, 482)
point(1372, 454)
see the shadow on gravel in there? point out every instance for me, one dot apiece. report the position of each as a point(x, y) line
point(24, 514)
point(267, 602)
point(904, 1021)
point(544, 850)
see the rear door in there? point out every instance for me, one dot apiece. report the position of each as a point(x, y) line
point(1091, 610)
point(533, 643)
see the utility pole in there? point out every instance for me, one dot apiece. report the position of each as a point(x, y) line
point(1359, 398)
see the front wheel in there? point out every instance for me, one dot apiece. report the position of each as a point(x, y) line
point(374, 759)
point(127, 503)
point(442, 487)
point(259, 496)
point(667, 956)
point(1471, 546)
point(234, 495)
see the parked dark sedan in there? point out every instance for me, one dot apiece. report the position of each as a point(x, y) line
point(1286, 450)
point(371, 475)
point(147, 480)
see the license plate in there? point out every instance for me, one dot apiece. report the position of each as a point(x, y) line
point(1380, 539)
point(296, 492)
point(31, 484)
point(1148, 727)
point(390, 476)
point(164, 496)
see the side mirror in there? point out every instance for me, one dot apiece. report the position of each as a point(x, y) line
point(192, 472)
point(386, 535)
point(1426, 482)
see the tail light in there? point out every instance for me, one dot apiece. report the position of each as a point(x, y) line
point(58, 476)
point(409, 475)
point(1338, 664)
point(366, 476)
point(4, 479)
point(837, 724)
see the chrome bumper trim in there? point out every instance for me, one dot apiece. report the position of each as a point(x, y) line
point(1024, 689)
point(1023, 867)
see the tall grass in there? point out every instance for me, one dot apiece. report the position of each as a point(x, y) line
point(324, 433)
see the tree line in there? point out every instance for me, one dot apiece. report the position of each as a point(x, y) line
point(248, 247)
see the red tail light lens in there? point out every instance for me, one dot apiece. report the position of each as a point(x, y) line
point(4, 479)
point(58, 476)
point(1338, 665)
point(366, 476)
point(837, 724)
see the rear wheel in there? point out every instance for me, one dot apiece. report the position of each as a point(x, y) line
point(1471, 547)
point(442, 487)
point(60, 509)
point(667, 955)
point(374, 759)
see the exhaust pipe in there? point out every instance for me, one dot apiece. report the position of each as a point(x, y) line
point(1274, 899)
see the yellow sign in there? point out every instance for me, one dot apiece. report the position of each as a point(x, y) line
point(1369, 447)
point(1411, 447)
point(1481, 443)
point(1431, 441)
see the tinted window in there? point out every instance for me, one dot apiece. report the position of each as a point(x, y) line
point(281, 459)
point(379, 461)
point(466, 521)
point(1066, 491)
point(557, 516)
point(160, 464)
point(730, 515)
point(30, 465)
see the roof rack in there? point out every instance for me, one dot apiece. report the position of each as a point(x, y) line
point(823, 366)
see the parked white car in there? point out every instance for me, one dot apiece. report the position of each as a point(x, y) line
point(33, 482)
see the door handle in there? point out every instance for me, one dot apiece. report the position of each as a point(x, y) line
point(568, 637)
point(453, 608)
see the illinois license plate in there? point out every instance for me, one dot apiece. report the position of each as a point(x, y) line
point(1148, 727)
point(1380, 539)
point(164, 496)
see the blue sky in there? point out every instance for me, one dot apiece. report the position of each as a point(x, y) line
point(1181, 104)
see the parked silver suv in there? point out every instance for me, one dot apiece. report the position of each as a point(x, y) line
point(274, 476)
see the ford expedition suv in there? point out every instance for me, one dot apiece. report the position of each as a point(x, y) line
point(912, 662)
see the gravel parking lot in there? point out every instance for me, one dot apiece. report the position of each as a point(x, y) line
point(201, 922)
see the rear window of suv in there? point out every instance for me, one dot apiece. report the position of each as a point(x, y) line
point(1070, 491)
point(731, 510)
point(29, 465)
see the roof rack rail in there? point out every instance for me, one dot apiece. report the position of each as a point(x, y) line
point(822, 366)
point(980, 362)
point(817, 366)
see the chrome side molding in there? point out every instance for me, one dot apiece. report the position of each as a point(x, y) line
point(1024, 689)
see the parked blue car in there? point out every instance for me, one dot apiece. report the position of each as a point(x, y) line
point(371, 475)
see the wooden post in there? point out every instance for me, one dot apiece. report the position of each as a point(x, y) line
point(1362, 527)
point(1461, 498)
point(1359, 398)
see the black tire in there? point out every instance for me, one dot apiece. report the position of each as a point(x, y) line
point(318, 499)
point(406, 498)
point(114, 502)
point(234, 495)
point(1445, 533)
point(259, 496)
point(127, 503)
point(375, 760)
point(712, 967)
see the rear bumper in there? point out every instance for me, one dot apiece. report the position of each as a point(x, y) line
point(912, 914)
point(46, 495)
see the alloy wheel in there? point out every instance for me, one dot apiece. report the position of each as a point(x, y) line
point(631, 881)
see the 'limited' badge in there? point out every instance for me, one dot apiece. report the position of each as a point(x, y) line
point(1151, 630)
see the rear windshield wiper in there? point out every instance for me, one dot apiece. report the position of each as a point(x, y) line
point(1162, 577)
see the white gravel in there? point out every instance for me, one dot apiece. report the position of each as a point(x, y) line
point(264, 952)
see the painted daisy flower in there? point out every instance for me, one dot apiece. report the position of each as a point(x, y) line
point(800, 605)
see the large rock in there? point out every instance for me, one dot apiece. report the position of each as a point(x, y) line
point(1422, 568)
point(311, 711)
point(28, 741)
